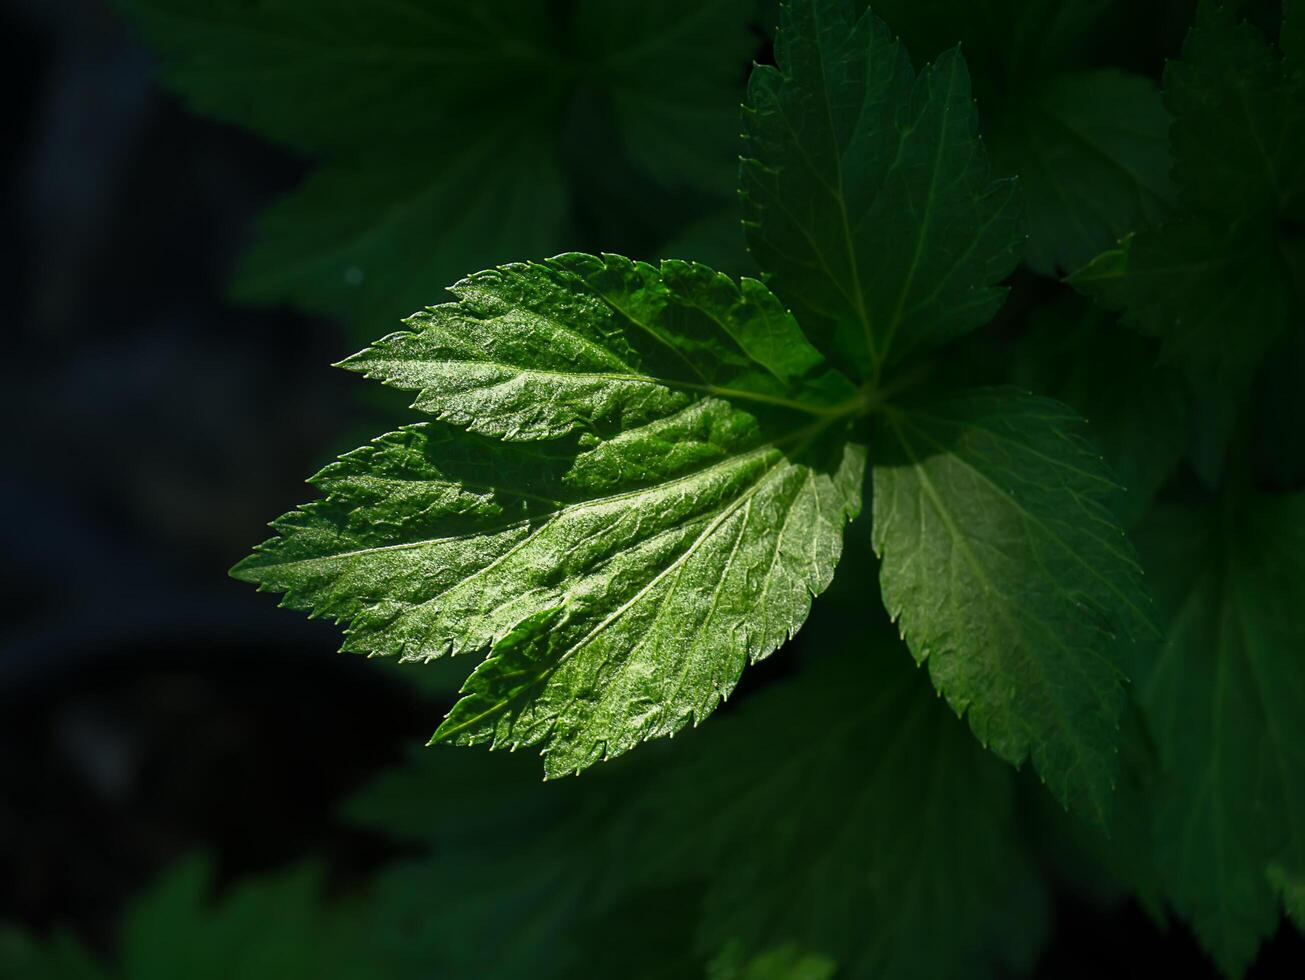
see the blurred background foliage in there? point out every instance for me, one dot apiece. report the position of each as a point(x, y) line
point(210, 202)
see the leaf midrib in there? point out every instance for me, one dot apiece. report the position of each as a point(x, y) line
point(715, 391)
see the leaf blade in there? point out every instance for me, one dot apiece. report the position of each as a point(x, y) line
point(1223, 703)
point(627, 541)
point(847, 155)
point(992, 522)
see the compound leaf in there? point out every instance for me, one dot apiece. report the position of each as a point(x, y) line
point(671, 494)
point(866, 190)
point(1223, 704)
point(1011, 578)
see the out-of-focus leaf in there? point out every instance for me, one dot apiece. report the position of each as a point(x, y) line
point(1223, 702)
point(438, 126)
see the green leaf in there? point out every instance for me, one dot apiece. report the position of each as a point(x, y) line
point(1011, 578)
point(1223, 702)
point(866, 191)
point(1092, 152)
point(511, 917)
point(265, 929)
point(1280, 405)
point(682, 501)
point(1089, 142)
point(535, 351)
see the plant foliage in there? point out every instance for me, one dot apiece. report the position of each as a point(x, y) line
point(633, 479)
point(674, 461)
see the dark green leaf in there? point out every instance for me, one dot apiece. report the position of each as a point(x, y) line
point(1089, 142)
point(866, 190)
point(1223, 701)
point(1292, 39)
point(784, 963)
point(1292, 888)
point(1012, 45)
point(265, 930)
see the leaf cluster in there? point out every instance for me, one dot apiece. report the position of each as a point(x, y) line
point(634, 478)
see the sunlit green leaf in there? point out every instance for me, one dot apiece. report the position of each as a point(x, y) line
point(671, 495)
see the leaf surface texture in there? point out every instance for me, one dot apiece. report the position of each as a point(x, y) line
point(649, 485)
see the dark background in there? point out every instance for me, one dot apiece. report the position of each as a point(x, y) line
point(150, 706)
